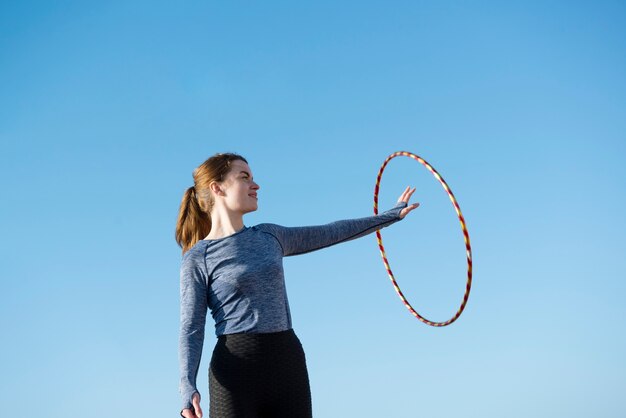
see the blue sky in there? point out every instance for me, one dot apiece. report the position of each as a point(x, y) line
point(107, 107)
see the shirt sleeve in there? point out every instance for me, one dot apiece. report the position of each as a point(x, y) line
point(300, 240)
point(193, 311)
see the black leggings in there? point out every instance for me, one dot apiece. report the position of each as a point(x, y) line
point(259, 376)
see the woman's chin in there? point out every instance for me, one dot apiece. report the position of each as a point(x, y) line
point(252, 209)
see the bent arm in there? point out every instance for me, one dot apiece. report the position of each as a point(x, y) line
point(193, 310)
point(300, 240)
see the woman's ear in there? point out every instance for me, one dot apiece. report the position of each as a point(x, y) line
point(216, 189)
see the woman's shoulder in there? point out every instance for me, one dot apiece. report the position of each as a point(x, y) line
point(268, 227)
point(264, 226)
point(197, 251)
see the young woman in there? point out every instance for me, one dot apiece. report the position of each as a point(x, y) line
point(258, 367)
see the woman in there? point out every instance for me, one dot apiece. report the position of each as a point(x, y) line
point(258, 367)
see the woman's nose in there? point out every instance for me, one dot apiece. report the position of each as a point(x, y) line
point(255, 186)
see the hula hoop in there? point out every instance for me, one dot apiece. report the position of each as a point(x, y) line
point(463, 227)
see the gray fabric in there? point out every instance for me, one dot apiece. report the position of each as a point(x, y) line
point(240, 279)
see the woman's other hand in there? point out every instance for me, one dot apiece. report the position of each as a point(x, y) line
point(188, 412)
point(405, 197)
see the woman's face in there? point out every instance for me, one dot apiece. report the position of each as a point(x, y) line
point(239, 189)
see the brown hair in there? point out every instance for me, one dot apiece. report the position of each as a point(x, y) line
point(194, 215)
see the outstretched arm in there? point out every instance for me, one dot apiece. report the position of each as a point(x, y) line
point(300, 240)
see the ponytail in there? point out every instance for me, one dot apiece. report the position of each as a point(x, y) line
point(193, 223)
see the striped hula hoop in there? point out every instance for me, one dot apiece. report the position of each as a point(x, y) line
point(463, 227)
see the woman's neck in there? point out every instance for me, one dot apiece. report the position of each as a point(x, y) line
point(224, 223)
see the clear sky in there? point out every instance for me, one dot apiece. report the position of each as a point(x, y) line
point(107, 107)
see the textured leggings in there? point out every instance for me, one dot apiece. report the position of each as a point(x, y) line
point(259, 376)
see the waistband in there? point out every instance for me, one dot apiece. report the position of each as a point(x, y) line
point(260, 336)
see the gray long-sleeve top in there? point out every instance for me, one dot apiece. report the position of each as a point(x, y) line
point(240, 279)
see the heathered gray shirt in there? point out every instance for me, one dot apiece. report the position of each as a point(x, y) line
point(240, 279)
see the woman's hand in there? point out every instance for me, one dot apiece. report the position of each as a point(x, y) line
point(405, 197)
point(188, 412)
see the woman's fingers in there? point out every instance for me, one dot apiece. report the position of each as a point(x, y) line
point(195, 399)
point(406, 194)
point(196, 411)
point(405, 197)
